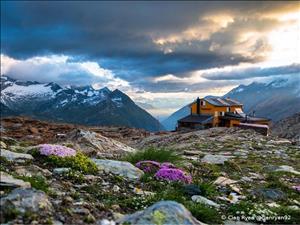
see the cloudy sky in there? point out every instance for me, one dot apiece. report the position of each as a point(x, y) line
point(162, 53)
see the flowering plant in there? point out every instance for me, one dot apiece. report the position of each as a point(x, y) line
point(173, 174)
point(56, 150)
point(148, 166)
point(167, 165)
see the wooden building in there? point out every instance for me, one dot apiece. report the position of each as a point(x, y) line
point(218, 112)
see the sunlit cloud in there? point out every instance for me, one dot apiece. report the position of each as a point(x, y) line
point(61, 69)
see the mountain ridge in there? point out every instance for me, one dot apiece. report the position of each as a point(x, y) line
point(80, 105)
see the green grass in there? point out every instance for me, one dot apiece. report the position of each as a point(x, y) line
point(155, 154)
point(204, 213)
point(37, 182)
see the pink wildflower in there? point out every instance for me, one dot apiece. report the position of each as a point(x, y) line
point(57, 150)
point(171, 174)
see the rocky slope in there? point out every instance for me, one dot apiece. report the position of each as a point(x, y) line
point(81, 105)
point(236, 175)
point(288, 127)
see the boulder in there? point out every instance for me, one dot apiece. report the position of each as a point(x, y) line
point(124, 169)
point(14, 156)
point(215, 159)
point(7, 180)
point(25, 200)
point(163, 212)
point(203, 200)
point(94, 143)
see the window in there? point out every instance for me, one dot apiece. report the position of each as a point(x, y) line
point(228, 109)
point(221, 113)
point(202, 103)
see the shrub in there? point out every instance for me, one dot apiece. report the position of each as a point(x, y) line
point(155, 154)
point(56, 150)
point(171, 174)
point(79, 162)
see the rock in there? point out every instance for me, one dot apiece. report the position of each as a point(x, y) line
point(139, 191)
point(26, 200)
point(203, 200)
point(59, 171)
point(287, 169)
point(82, 211)
point(191, 189)
point(32, 170)
point(279, 142)
point(215, 159)
point(269, 193)
point(124, 169)
point(7, 180)
point(224, 181)
point(116, 188)
point(106, 222)
point(91, 143)
point(2, 145)
point(14, 156)
point(163, 212)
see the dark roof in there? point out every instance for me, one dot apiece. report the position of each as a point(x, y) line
point(217, 101)
point(230, 115)
point(201, 119)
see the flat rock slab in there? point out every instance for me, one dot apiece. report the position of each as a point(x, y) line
point(269, 194)
point(124, 169)
point(14, 156)
point(216, 159)
point(203, 200)
point(7, 180)
point(163, 212)
point(224, 181)
point(26, 200)
point(288, 169)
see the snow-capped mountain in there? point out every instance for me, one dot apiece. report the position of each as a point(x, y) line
point(274, 100)
point(81, 105)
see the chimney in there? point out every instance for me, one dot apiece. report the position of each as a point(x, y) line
point(198, 105)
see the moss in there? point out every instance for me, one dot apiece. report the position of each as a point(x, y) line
point(158, 217)
point(79, 162)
